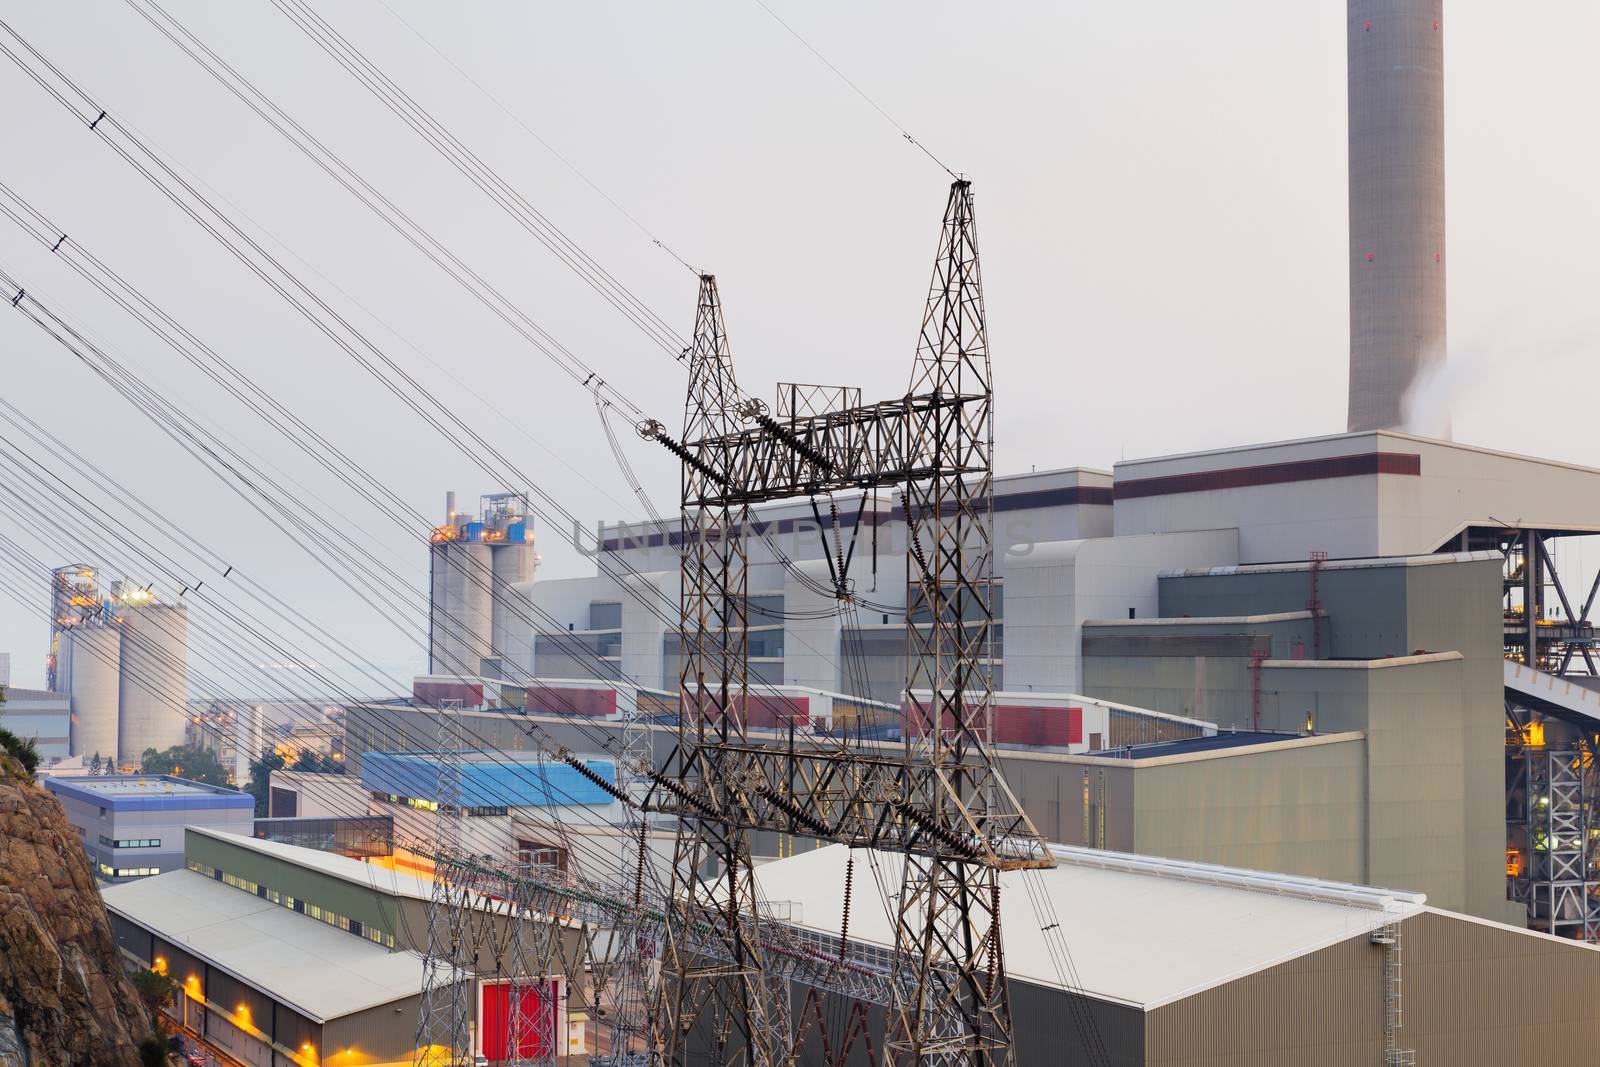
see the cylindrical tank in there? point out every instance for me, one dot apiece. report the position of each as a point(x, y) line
point(1395, 51)
point(461, 624)
point(153, 687)
point(513, 566)
point(89, 670)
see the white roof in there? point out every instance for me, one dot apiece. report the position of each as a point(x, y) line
point(365, 875)
point(1138, 930)
point(320, 971)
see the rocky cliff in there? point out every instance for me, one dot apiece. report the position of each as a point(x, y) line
point(65, 1000)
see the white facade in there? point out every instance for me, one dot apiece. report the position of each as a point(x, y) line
point(90, 666)
point(1070, 546)
point(152, 692)
point(1354, 495)
point(43, 716)
point(1054, 588)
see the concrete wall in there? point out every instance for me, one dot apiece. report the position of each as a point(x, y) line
point(1054, 587)
point(1356, 495)
point(320, 795)
point(1435, 727)
point(1297, 807)
point(42, 716)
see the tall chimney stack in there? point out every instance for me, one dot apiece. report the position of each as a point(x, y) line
point(1397, 253)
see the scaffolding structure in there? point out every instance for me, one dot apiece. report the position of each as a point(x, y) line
point(1553, 823)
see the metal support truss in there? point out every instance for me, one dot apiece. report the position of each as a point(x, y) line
point(1564, 890)
point(1545, 627)
point(722, 988)
point(445, 1007)
point(943, 803)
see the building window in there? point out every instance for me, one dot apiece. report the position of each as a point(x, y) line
point(283, 900)
point(127, 872)
point(139, 842)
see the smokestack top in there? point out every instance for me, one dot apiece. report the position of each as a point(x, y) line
point(1395, 51)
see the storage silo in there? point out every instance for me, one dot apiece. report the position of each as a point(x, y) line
point(154, 682)
point(512, 607)
point(89, 669)
point(461, 623)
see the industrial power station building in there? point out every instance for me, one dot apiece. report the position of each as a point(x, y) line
point(1347, 601)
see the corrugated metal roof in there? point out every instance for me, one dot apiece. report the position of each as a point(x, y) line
point(1139, 931)
point(320, 971)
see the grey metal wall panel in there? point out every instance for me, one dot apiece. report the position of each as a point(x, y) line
point(1481, 995)
point(1321, 1010)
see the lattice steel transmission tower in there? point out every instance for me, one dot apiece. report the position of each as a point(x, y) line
point(942, 803)
point(444, 1010)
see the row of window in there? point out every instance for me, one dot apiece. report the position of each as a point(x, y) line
point(127, 872)
point(433, 805)
point(132, 842)
point(283, 900)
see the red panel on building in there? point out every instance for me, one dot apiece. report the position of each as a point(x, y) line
point(566, 700)
point(494, 1036)
point(770, 711)
point(1022, 724)
point(778, 711)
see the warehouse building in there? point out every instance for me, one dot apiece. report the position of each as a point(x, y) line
point(133, 825)
point(293, 955)
point(1130, 961)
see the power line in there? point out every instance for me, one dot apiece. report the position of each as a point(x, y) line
point(546, 145)
point(890, 119)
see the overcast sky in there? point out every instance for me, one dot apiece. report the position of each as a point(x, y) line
point(1161, 197)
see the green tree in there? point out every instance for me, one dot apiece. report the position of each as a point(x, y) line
point(185, 761)
point(318, 763)
point(260, 769)
point(155, 989)
point(94, 764)
point(24, 751)
point(154, 1052)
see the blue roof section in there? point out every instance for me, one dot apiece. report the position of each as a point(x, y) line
point(1181, 745)
point(148, 792)
point(482, 784)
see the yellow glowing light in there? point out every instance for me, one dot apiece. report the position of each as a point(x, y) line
point(160, 965)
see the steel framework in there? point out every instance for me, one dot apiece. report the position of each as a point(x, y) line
point(943, 804)
point(483, 923)
point(445, 1007)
